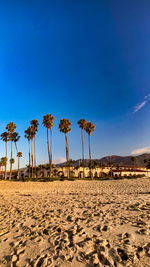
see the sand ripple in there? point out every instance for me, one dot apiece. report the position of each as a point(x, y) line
point(75, 223)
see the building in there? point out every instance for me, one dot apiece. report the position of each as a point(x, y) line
point(80, 172)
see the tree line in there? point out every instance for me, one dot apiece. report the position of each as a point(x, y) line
point(10, 135)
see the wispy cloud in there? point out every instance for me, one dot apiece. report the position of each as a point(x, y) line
point(141, 151)
point(147, 96)
point(142, 104)
point(139, 106)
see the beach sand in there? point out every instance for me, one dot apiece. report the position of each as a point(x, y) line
point(75, 223)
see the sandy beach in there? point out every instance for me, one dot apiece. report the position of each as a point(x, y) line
point(75, 223)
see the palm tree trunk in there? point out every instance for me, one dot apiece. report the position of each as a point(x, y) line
point(89, 148)
point(29, 159)
point(67, 155)
point(17, 156)
point(11, 160)
point(49, 153)
point(6, 162)
point(34, 158)
point(32, 155)
point(18, 168)
point(89, 154)
point(83, 155)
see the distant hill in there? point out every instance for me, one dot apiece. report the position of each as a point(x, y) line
point(125, 161)
point(117, 160)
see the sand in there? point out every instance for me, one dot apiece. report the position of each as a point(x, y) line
point(75, 223)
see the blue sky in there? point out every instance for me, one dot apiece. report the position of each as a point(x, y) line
point(77, 59)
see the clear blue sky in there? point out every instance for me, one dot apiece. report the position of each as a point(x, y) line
point(77, 59)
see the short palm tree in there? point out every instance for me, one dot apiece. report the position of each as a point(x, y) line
point(3, 162)
point(5, 138)
point(34, 125)
point(82, 124)
point(64, 127)
point(101, 165)
point(48, 120)
point(90, 129)
point(19, 155)
point(11, 128)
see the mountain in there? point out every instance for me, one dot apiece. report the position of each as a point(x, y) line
point(126, 161)
point(117, 160)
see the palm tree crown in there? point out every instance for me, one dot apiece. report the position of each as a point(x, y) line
point(15, 137)
point(29, 133)
point(82, 123)
point(19, 154)
point(12, 161)
point(90, 128)
point(5, 136)
point(3, 161)
point(64, 126)
point(35, 124)
point(11, 127)
point(48, 120)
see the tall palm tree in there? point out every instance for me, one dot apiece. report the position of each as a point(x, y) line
point(82, 124)
point(29, 133)
point(12, 161)
point(19, 155)
point(29, 137)
point(5, 138)
point(11, 128)
point(64, 127)
point(90, 129)
point(48, 120)
point(34, 124)
point(16, 138)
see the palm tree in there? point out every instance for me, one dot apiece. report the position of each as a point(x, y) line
point(34, 124)
point(4, 161)
point(28, 135)
point(2, 164)
point(82, 124)
point(48, 120)
point(64, 127)
point(101, 165)
point(90, 129)
point(19, 155)
point(31, 134)
point(11, 128)
point(12, 161)
point(5, 138)
point(15, 138)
